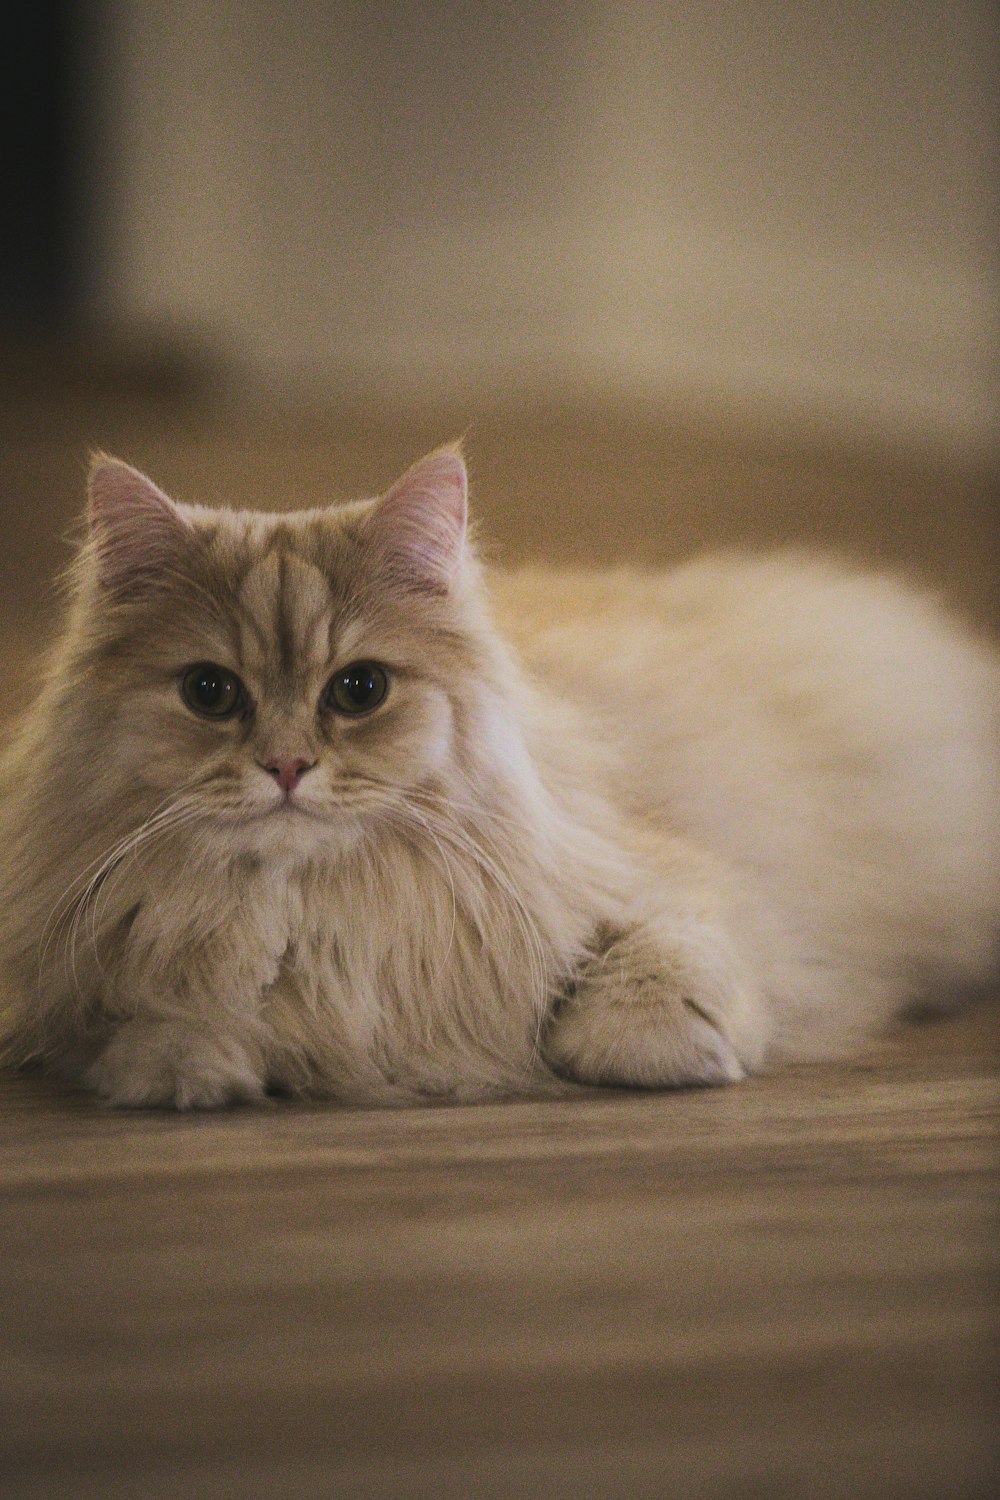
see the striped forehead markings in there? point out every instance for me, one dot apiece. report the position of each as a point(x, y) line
point(286, 602)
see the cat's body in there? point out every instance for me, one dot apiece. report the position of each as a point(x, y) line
point(630, 828)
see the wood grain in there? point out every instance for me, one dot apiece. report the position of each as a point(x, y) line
point(785, 1288)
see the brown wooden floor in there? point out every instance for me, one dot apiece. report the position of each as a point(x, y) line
point(787, 1288)
point(784, 1289)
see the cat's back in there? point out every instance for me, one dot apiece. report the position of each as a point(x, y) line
point(777, 682)
point(784, 628)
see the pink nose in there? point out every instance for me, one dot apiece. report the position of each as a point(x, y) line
point(288, 773)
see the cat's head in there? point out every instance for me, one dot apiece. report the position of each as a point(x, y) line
point(285, 679)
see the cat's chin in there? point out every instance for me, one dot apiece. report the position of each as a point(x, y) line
point(288, 834)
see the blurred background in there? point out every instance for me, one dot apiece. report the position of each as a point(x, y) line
point(685, 274)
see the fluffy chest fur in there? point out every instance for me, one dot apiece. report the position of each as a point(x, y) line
point(349, 949)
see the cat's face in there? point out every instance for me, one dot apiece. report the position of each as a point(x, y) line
point(284, 680)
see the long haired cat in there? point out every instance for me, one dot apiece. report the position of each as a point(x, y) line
point(307, 803)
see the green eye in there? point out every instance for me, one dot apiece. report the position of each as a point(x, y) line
point(358, 689)
point(211, 691)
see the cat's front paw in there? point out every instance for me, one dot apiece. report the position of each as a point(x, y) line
point(646, 1015)
point(149, 1064)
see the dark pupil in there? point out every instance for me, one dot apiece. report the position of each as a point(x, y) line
point(213, 691)
point(359, 687)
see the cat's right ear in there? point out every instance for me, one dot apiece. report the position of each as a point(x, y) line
point(136, 530)
point(418, 529)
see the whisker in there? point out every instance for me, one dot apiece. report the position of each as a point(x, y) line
point(127, 849)
point(422, 823)
point(69, 910)
point(184, 817)
point(56, 915)
point(439, 819)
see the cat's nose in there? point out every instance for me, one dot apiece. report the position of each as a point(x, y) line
point(288, 773)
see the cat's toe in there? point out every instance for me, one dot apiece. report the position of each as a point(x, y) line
point(658, 1044)
point(659, 1009)
point(149, 1065)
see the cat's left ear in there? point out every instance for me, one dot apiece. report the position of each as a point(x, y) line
point(418, 528)
point(137, 530)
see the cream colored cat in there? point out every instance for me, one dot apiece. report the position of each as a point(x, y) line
point(308, 804)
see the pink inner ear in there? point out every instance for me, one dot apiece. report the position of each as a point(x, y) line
point(137, 530)
point(420, 524)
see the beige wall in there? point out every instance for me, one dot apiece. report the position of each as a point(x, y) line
point(784, 207)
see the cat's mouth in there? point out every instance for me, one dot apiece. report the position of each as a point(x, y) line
point(278, 810)
point(288, 809)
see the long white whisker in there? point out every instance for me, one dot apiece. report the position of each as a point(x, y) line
point(184, 816)
point(65, 902)
point(534, 946)
point(422, 823)
point(125, 850)
point(460, 836)
point(72, 906)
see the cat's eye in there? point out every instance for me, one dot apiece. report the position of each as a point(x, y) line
point(211, 691)
point(357, 689)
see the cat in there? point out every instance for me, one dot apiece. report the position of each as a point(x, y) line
point(310, 804)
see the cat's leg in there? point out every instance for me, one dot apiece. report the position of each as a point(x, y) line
point(665, 997)
point(182, 1016)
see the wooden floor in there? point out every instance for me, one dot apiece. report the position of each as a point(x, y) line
point(783, 1289)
